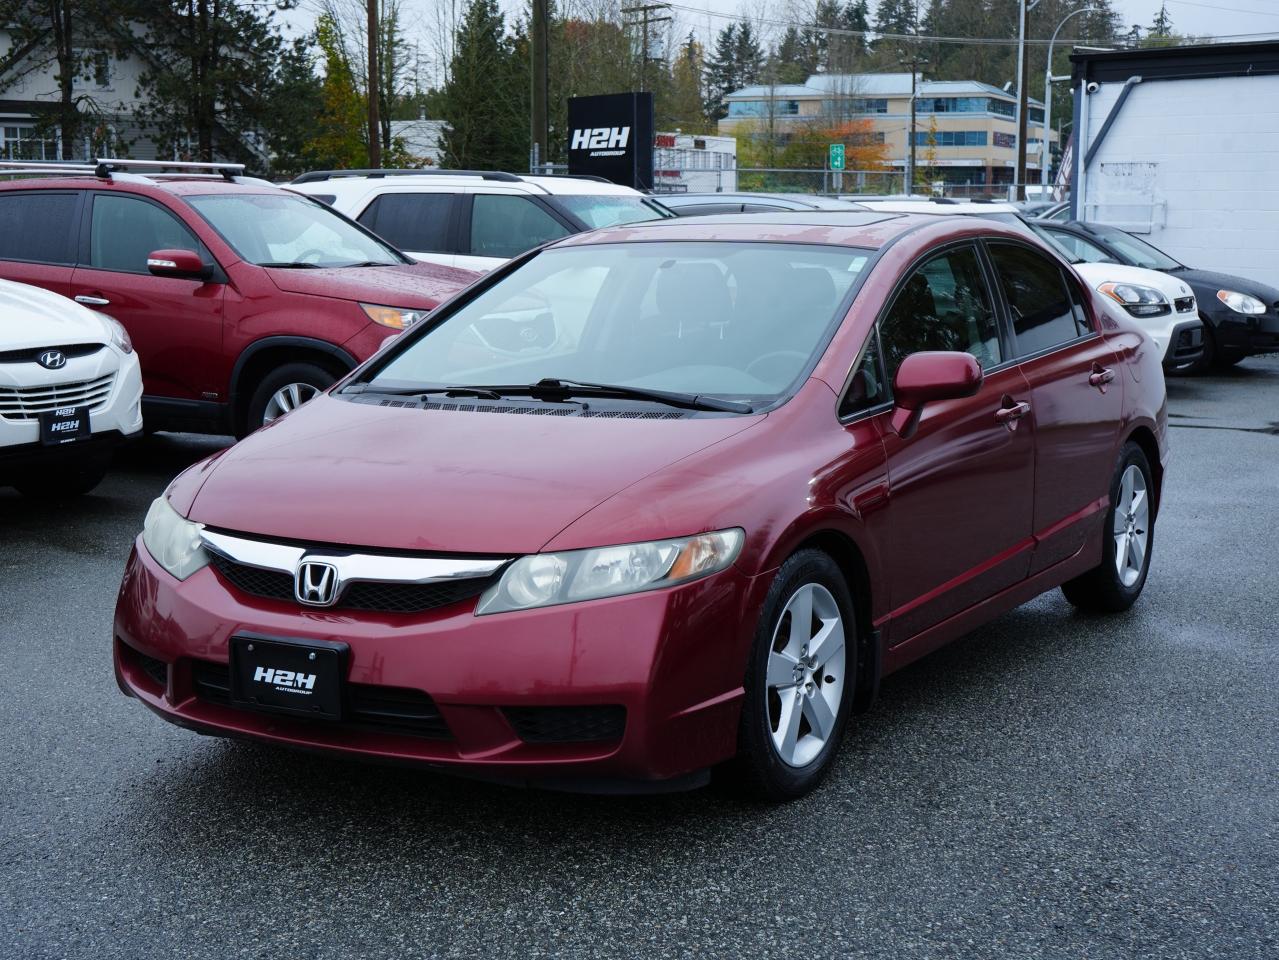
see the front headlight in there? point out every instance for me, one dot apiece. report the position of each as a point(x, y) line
point(119, 335)
point(173, 541)
point(1138, 300)
point(548, 579)
point(397, 318)
point(1241, 302)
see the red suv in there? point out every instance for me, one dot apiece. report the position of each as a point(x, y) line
point(242, 299)
point(658, 498)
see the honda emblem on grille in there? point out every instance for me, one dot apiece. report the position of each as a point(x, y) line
point(52, 359)
point(316, 583)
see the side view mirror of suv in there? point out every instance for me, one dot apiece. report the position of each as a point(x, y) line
point(927, 377)
point(185, 264)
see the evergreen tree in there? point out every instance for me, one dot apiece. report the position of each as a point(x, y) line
point(483, 99)
point(748, 57)
point(792, 60)
point(339, 137)
point(721, 73)
point(684, 109)
point(896, 16)
point(1161, 29)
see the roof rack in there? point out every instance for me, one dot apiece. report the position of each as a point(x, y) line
point(43, 166)
point(104, 166)
point(573, 176)
point(315, 176)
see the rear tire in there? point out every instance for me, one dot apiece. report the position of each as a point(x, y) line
point(73, 480)
point(800, 681)
point(283, 389)
point(1128, 539)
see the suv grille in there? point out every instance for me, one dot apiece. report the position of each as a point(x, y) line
point(567, 724)
point(27, 403)
point(1184, 304)
point(394, 709)
point(70, 351)
point(360, 595)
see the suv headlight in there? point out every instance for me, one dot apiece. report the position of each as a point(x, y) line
point(172, 540)
point(1241, 302)
point(1138, 300)
point(119, 335)
point(549, 579)
point(397, 318)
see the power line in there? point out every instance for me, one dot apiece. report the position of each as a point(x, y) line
point(1213, 6)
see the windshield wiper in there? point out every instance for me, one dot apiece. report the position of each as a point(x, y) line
point(483, 393)
point(370, 263)
point(554, 386)
point(290, 265)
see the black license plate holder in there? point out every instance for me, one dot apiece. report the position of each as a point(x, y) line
point(64, 425)
point(302, 678)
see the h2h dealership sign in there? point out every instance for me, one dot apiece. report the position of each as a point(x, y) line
point(611, 136)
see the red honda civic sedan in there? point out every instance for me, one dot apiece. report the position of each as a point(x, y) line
point(656, 500)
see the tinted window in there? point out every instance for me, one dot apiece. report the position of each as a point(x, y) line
point(506, 226)
point(867, 388)
point(1077, 247)
point(944, 305)
point(126, 230)
point(37, 226)
point(1036, 293)
point(412, 221)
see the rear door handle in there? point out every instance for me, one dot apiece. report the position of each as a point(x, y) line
point(89, 301)
point(1015, 412)
point(1100, 377)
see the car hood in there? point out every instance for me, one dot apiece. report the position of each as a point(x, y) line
point(35, 317)
point(414, 285)
point(1209, 282)
point(354, 473)
point(1169, 285)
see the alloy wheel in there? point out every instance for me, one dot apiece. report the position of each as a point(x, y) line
point(288, 397)
point(1132, 526)
point(805, 686)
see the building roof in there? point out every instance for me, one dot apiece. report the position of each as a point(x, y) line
point(1193, 61)
point(872, 85)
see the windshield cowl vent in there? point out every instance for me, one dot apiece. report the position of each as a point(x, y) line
point(532, 410)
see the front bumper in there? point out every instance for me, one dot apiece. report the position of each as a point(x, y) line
point(1238, 335)
point(673, 660)
point(1185, 344)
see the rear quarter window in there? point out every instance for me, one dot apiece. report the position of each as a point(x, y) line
point(39, 227)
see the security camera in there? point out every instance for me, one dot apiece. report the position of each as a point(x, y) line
point(1093, 87)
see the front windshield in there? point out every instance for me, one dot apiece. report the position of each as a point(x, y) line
point(739, 321)
point(287, 230)
point(1135, 251)
point(611, 211)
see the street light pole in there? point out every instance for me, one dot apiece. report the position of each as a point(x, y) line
point(1048, 101)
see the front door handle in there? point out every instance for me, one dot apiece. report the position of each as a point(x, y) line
point(89, 301)
point(1100, 376)
point(1012, 413)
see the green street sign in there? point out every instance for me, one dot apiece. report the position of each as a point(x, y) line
point(837, 156)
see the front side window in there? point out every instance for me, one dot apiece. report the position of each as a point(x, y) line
point(738, 321)
point(285, 230)
point(944, 305)
point(1042, 314)
point(1076, 247)
point(37, 227)
point(418, 222)
point(506, 225)
point(125, 230)
point(611, 210)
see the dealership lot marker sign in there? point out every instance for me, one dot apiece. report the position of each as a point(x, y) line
point(611, 136)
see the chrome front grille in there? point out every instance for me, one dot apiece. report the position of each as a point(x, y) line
point(27, 403)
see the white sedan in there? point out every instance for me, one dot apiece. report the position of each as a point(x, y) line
point(70, 392)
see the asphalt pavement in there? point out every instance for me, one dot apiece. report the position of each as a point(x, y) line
point(1053, 785)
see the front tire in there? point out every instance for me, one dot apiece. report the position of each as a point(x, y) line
point(1115, 584)
point(284, 389)
point(800, 681)
point(65, 482)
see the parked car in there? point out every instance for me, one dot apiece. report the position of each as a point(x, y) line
point(702, 204)
point(70, 392)
point(241, 299)
point(776, 458)
point(475, 219)
point(1241, 317)
point(1164, 306)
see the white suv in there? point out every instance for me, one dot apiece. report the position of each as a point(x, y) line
point(70, 391)
point(1161, 305)
point(474, 219)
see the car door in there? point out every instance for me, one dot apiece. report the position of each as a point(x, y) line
point(38, 233)
point(960, 488)
point(1076, 396)
point(420, 222)
point(175, 324)
point(500, 226)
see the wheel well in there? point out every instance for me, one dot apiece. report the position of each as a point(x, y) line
point(269, 358)
point(1145, 439)
point(852, 564)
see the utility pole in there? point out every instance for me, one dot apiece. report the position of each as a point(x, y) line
point(914, 62)
point(541, 55)
point(375, 125)
point(1023, 70)
point(646, 12)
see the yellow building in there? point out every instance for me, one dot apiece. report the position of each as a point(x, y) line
point(965, 130)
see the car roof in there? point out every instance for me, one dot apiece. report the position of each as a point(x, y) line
point(939, 206)
point(175, 184)
point(814, 201)
point(339, 182)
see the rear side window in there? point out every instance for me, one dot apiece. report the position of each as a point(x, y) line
point(38, 227)
point(506, 226)
point(412, 221)
point(126, 230)
point(944, 305)
point(1042, 314)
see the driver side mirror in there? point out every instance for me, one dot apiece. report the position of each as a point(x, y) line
point(928, 377)
point(183, 264)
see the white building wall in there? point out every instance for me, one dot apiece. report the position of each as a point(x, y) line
point(1193, 166)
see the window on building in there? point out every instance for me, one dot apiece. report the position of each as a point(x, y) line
point(20, 141)
point(951, 138)
point(1002, 107)
point(1036, 115)
point(864, 139)
point(873, 105)
point(1007, 140)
